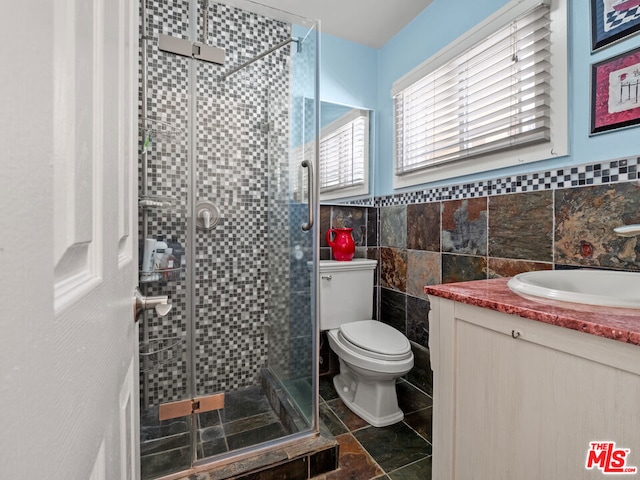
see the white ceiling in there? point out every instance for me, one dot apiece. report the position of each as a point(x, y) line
point(368, 22)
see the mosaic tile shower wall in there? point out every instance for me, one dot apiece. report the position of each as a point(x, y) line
point(277, 235)
point(168, 157)
point(242, 152)
point(295, 358)
point(241, 137)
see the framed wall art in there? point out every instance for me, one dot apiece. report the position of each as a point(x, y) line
point(613, 20)
point(615, 92)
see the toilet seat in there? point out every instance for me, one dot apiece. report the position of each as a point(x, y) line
point(374, 340)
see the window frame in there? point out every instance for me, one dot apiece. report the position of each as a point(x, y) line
point(559, 144)
point(351, 190)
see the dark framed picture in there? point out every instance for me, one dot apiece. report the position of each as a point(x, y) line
point(613, 20)
point(615, 92)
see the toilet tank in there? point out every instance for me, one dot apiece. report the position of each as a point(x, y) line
point(346, 291)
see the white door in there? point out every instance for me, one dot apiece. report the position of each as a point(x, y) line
point(68, 239)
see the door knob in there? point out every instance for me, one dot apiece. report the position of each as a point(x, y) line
point(159, 303)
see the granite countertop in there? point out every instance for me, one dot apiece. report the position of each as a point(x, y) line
point(614, 323)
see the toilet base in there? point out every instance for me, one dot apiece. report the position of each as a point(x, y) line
point(373, 401)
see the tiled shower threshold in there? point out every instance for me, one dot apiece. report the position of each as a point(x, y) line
point(301, 456)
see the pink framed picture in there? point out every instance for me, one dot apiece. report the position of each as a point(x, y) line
point(615, 92)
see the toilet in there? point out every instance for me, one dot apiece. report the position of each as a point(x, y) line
point(372, 354)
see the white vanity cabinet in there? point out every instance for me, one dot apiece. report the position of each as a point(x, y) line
point(518, 399)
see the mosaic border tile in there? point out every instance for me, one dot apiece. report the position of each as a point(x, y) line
point(610, 171)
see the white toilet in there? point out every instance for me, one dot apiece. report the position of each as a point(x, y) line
point(372, 354)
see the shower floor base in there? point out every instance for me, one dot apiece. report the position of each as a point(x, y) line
point(251, 416)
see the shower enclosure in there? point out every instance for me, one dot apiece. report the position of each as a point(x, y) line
point(226, 225)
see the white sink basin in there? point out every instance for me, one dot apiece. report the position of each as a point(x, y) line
point(589, 287)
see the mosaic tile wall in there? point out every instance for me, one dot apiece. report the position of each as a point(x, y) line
point(165, 373)
point(298, 353)
point(543, 220)
point(242, 167)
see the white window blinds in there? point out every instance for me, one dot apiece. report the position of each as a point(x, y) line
point(343, 152)
point(492, 97)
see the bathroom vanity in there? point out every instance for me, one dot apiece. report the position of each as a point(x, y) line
point(522, 389)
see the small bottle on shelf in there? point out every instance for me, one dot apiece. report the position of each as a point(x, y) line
point(148, 258)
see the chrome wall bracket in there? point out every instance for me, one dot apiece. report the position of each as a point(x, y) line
point(187, 48)
point(191, 406)
point(160, 304)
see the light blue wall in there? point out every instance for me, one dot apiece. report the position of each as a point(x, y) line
point(348, 72)
point(348, 76)
point(441, 23)
point(303, 87)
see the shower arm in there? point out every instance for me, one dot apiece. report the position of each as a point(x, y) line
point(262, 55)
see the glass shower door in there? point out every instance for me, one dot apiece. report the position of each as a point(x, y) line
point(292, 319)
point(254, 322)
point(242, 372)
point(166, 443)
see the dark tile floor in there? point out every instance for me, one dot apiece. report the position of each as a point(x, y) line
point(398, 452)
point(246, 420)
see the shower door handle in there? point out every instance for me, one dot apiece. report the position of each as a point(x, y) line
point(312, 194)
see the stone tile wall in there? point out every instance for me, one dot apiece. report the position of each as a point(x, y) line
point(496, 236)
point(468, 232)
point(364, 221)
point(504, 235)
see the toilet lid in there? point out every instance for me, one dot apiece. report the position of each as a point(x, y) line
point(376, 337)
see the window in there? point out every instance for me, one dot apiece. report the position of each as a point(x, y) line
point(492, 99)
point(343, 160)
point(344, 155)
